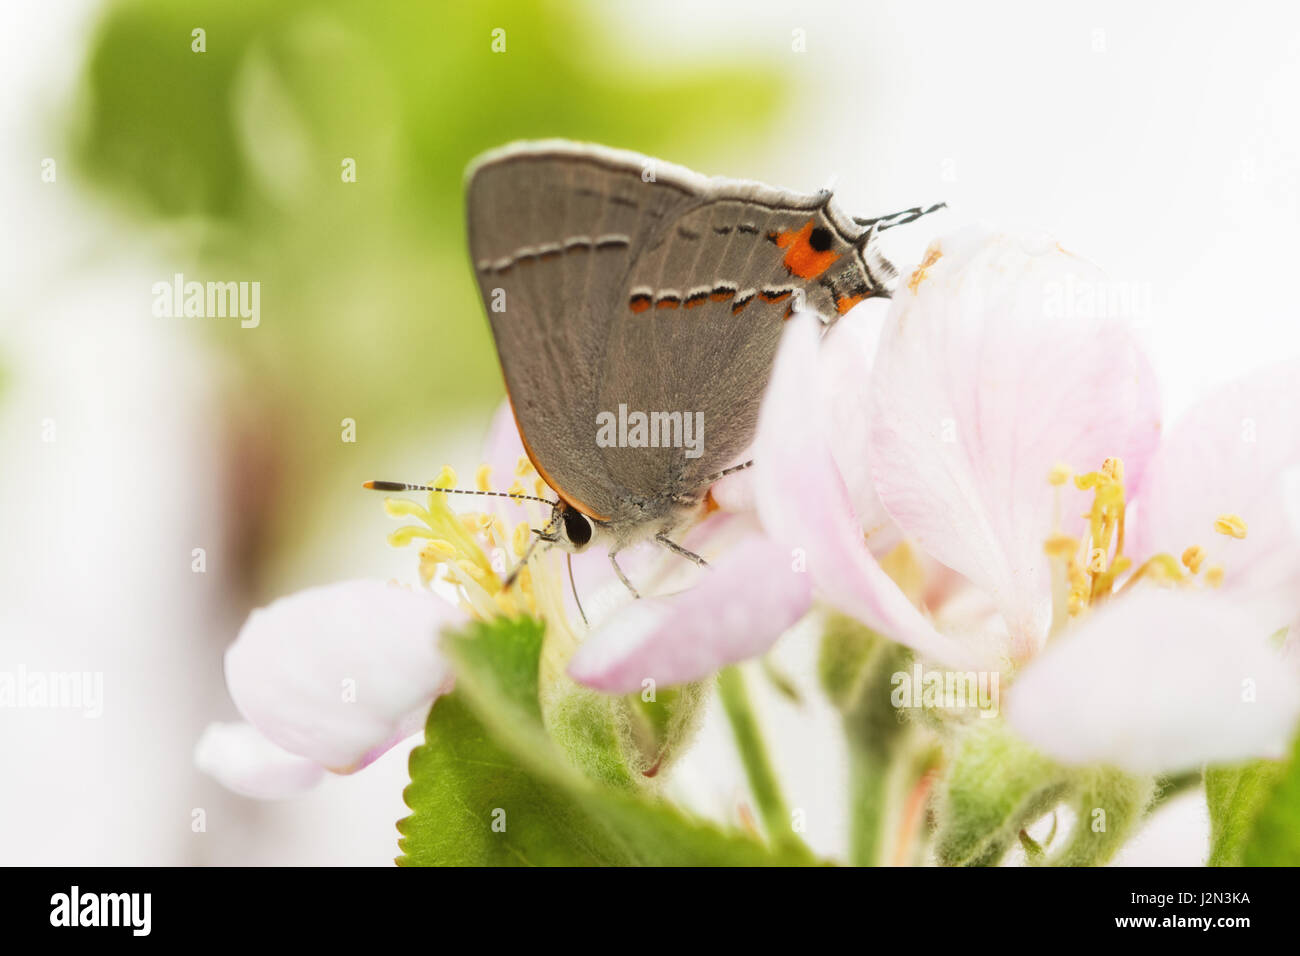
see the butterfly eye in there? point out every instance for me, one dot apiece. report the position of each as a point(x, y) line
point(576, 527)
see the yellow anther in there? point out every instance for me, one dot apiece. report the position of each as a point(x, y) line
point(473, 570)
point(401, 507)
point(1113, 468)
point(1193, 557)
point(462, 550)
point(1214, 575)
point(1061, 545)
point(1110, 494)
point(518, 489)
point(932, 255)
point(1230, 524)
point(519, 541)
point(539, 488)
point(1059, 474)
point(445, 550)
point(1164, 567)
point(1096, 561)
point(523, 466)
point(1086, 481)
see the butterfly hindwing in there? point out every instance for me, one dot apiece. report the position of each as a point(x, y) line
point(705, 306)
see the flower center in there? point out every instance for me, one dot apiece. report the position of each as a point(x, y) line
point(1095, 566)
point(476, 554)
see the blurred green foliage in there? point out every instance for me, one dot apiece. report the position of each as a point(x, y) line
point(232, 159)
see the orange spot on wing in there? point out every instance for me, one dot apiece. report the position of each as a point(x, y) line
point(843, 305)
point(800, 257)
point(639, 303)
point(667, 304)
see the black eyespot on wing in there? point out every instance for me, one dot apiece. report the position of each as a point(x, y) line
point(576, 527)
point(820, 239)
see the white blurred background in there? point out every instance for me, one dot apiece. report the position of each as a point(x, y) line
point(1160, 140)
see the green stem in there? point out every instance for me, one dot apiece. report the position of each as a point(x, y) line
point(868, 803)
point(753, 754)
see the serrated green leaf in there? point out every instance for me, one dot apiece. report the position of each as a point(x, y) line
point(475, 805)
point(496, 720)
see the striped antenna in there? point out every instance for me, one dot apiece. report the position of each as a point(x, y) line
point(405, 486)
point(717, 476)
point(900, 218)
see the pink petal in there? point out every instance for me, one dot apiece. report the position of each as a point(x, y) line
point(989, 374)
point(737, 611)
point(244, 761)
point(1155, 682)
point(735, 493)
point(844, 362)
point(339, 674)
point(1235, 452)
point(805, 506)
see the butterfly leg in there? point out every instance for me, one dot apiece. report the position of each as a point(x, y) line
point(621, 576)
point(676, 548)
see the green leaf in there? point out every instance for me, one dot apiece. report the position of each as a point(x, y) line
point(1275, 837)
point(1235, 796)
point(492, 750)
point(1255, 812)
point(463, 782)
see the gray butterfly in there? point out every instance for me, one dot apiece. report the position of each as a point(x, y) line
point(619, 285)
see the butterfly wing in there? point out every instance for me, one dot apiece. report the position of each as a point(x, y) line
point(613, 279)
point(553, 229)
point(703, 310)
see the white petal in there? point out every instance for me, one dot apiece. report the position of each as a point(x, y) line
point(1235, 452)
point(339, 674)
point(844, 364)
point(805, 506)
point(1160, 681)
point(244, 761)
point(737, 611)
point(990, 371)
